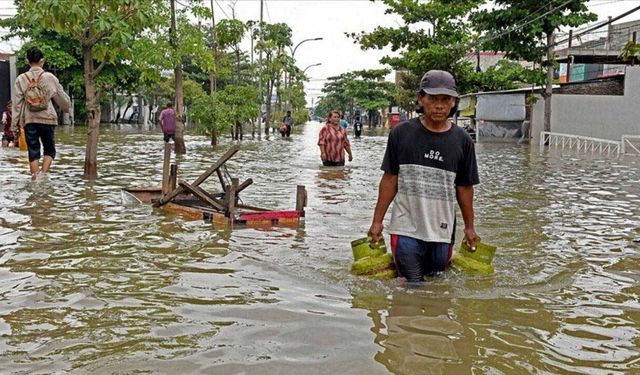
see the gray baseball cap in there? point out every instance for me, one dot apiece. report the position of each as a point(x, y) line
point(438, 82)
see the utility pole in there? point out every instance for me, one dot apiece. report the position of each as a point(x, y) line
point(548, 90)
point(260, 74)
point(212, 74)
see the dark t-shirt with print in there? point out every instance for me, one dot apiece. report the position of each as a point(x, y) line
point(429, 166)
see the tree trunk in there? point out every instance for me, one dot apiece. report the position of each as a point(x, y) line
point(113, 117)
point(214, 137)
point(238, 130)
point(129, 104)
point(179, 103)
point(180, 146)
point(93, 116)
point(267, 123)
point(549, 88)
point(141, 117)
point(212, 83)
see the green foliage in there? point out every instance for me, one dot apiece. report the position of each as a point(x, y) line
point(153, 52)
point(234, 104)
point(110, 26)
point(506, 75)
point(230, 32)
point(433, 37)
point(363, 88)
point(630, 51)
point(519, 28)
point(300, 116)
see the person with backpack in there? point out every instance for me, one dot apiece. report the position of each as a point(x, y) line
point(168, 122)
point(33, 111)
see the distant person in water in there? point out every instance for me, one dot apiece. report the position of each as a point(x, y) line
point(168, 122)
point(33, 110)
point(343, 123)
point(287, 123)
point(357, 127)
point(333, 142)
point(8, 138)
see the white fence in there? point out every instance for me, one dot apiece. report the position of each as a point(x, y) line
point(580, 143)
point(630, 144)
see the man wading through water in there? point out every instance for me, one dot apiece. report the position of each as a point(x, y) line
point(33, 110)
point(428, 164)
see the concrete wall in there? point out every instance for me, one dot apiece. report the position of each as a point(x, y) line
point(598, 116)
point(501, 107)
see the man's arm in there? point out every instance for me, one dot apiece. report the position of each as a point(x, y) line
point(386, 192)
point(464, 195)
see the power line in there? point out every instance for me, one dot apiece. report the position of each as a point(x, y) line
point(597, 27)
point(516, 27)
point(223, 12)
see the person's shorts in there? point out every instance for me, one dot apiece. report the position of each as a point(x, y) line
point(36, 133)
point(167, 137)
point(416, 259)
point(8, 138)
point(329, 163)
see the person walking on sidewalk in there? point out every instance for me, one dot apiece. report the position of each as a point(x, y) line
point(333, 142)
point(428, 164)
point(33, 110)
point(168, 122)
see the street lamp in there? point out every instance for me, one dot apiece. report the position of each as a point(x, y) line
point(293, 52)
point(305, 69)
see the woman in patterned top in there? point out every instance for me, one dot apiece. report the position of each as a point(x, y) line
point(333, 142)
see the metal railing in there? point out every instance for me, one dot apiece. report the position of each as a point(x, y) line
point(580, 143)
point(630, 144)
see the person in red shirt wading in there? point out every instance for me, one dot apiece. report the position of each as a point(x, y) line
point(333, 142)
point(168, 122)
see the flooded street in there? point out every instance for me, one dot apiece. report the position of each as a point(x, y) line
point(89, 283)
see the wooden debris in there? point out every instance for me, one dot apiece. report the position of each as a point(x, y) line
point(191, 200)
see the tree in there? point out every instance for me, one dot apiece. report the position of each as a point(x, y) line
point(368, 90)
point(363, 88)
point(230, 107)
point(434, 36)
point(104, 30)
point(630, 52)
point(168, 46)
point(524, 29)
point(275, 38)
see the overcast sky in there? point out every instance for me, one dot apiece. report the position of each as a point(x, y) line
point(330, 19)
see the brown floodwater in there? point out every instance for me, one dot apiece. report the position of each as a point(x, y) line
point(90, 282)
